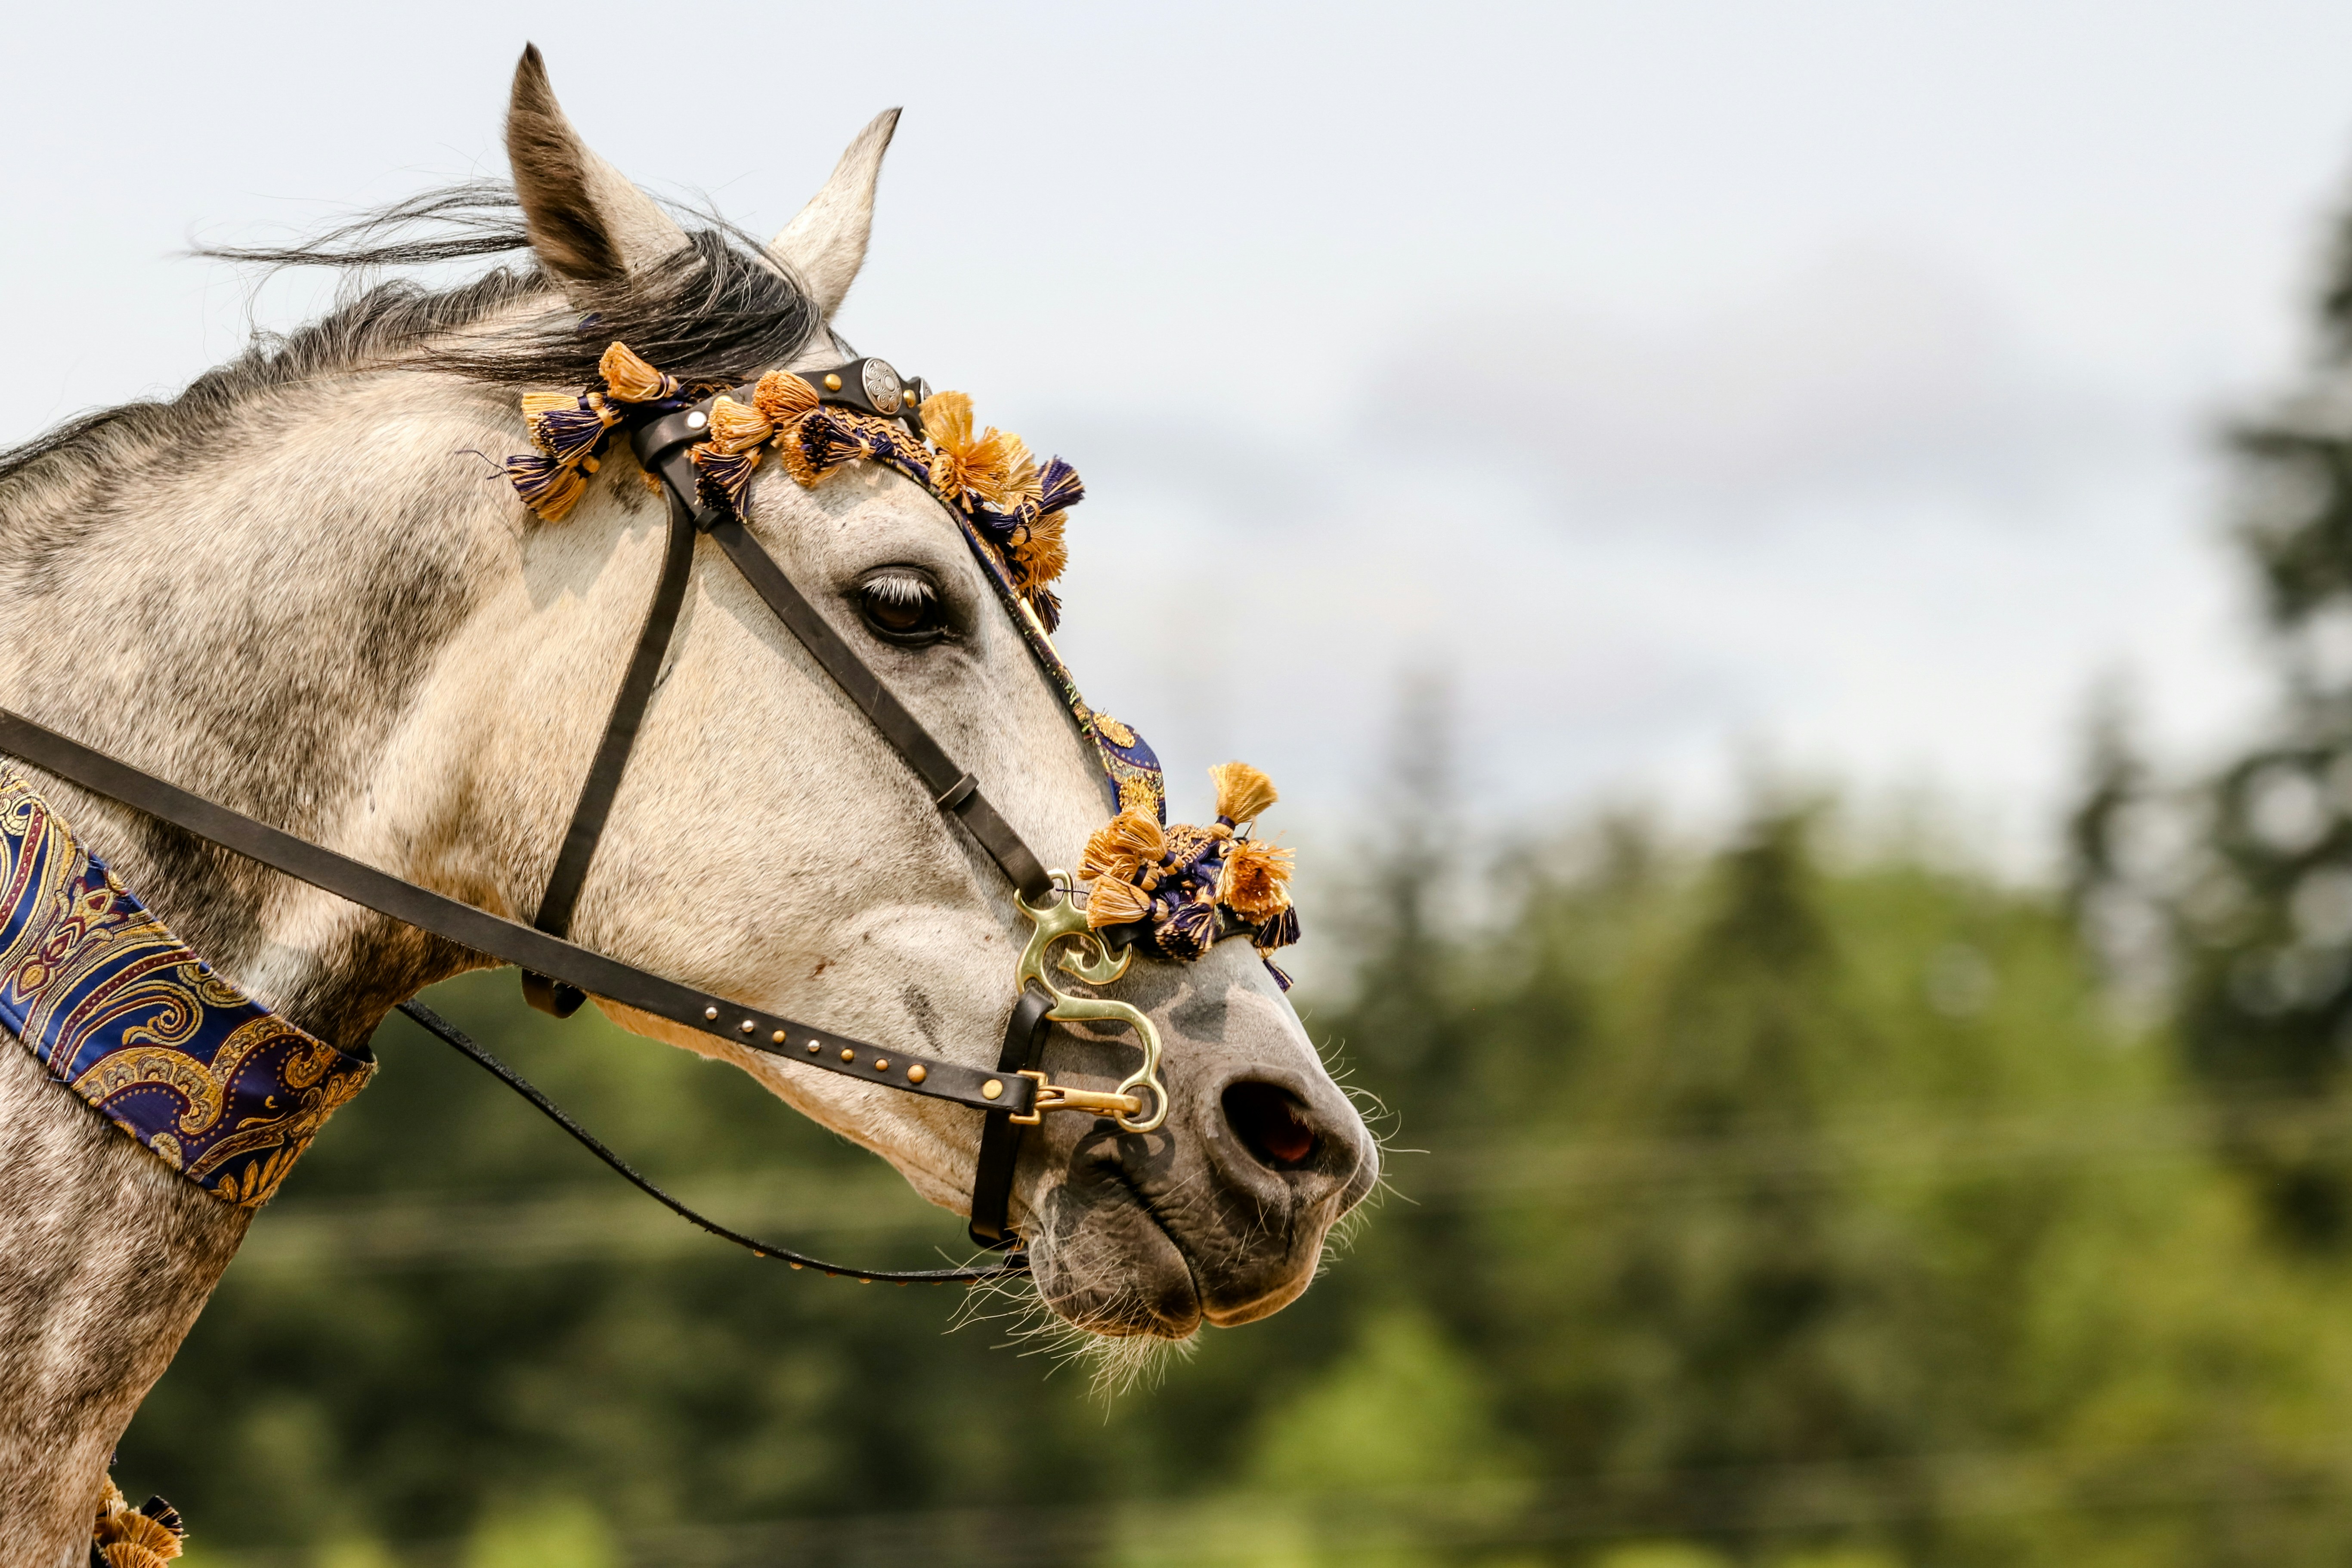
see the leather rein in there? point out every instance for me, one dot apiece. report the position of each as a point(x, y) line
point(559, 975)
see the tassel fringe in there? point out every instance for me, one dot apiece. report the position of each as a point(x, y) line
point(1255, 882)
point(1122, 848)
point(550, 488)
point(1059, 489)
point(147, 1536)
point(1116, 903)
point(1279, 932)
point(1037, 550)
point(631, 379)
point(1187, 931)
point(1243, 792)
point(784, 397)
point(724, 477)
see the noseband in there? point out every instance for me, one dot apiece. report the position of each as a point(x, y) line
point(1176, 892)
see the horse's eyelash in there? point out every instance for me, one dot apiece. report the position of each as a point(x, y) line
point(900, 589)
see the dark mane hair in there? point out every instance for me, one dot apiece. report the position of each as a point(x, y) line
point(714, 312)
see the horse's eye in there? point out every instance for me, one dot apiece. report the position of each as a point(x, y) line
point(902, 607)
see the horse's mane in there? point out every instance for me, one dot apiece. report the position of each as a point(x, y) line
point(715, 311)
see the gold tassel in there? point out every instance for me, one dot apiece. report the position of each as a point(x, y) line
point(1122, 847)
point(784, 397)
point(994, 464)
point(947, 420)
point(1039, 549)
point(127, 1537)
point(1243, 792)
point(631, 379)
point(737, 427)
point(1110, 903)
point(1255, 882)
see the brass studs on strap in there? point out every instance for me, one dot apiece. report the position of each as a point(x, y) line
point(750, 1027)
point(777, 1038)
point(832, 383)
point(881, 1064)
point(848, 1055)
point(814, 1048)
point(916, 1074)
point(711, 1013)
point(993, 1089)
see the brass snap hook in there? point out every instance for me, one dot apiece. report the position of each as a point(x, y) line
point(1093, 963)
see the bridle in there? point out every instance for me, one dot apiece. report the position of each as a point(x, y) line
point(559, 975)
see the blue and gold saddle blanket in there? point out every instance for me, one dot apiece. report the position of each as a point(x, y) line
point(125, 1014)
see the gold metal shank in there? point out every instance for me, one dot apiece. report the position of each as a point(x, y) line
point(1053, 1096)
point(1093, 962)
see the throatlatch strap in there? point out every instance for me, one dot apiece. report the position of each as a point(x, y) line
point(1000, 1138)
point(603, 781)
point(507, 940)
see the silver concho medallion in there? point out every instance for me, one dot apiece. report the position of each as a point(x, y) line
point(881, 386)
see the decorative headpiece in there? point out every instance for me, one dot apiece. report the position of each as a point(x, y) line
point(1181, 888)
point(1176, 889)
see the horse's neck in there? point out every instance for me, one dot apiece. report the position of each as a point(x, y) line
point(105, 1257)
point(263, 621)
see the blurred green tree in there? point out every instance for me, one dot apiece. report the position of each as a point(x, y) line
point(1779, 1206)
point(2266, 915)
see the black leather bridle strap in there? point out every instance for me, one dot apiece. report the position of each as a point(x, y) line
point(603, 781)
point(951, 788)
point(534, 951)
point(1000, 1135)
point(611, 760)
point(662, 447)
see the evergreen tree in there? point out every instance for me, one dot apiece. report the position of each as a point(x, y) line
point(2267, 917)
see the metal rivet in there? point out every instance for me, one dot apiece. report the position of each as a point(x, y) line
point(847, 1055)
point(811, 1047)
point(881, 1064)
point(833, 383)
point(909, 393)
point(697, 420)
point(711, 1012)
point(749, 1027)
point(777, 1038)
point(991, 1088)
point(916, 1074)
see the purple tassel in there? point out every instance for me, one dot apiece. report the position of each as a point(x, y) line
point(1062, 486)
point(1280, 978)
point(546, 485)
point(568, 435)
point(1048, 606)
point(1279, 932)
point(828, 442)
point(721, 478)
point(1188, 931)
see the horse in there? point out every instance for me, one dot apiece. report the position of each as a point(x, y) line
point(297, 590)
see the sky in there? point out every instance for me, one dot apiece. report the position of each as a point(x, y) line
point(1826, 390)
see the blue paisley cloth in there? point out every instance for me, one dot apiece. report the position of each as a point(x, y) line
point(126, 1015)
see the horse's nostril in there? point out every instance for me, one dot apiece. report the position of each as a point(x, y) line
point(1268, 1121)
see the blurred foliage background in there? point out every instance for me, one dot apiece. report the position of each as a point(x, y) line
point(1811, 1198)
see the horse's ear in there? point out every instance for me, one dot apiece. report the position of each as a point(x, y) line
point(587, 222)
point(825, 245)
